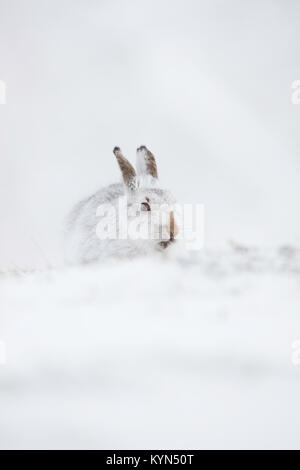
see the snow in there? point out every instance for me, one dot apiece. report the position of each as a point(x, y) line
point(190, 351)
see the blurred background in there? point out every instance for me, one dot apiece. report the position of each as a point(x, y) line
point(205, 84)
point(190, 352)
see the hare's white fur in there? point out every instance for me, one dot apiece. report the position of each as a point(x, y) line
point(83, 244)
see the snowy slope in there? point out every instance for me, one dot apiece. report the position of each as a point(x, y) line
point(153, 353)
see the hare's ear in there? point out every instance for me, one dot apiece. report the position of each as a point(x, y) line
point(127, 170)
point(145, 162)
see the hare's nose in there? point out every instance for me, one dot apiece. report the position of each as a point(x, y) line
point(173, 227)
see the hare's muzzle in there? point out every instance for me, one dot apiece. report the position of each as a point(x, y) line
point(172, 230)
point(173, 227)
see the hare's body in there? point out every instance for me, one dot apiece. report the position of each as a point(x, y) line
point(81, 241)
point(86, 237)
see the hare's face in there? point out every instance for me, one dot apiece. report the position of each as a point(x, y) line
point(152, 212)
point(150, 208)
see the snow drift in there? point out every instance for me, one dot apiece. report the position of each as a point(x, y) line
point(153, 353)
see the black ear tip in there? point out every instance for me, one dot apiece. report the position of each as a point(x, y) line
point(142, 147)
point(116, 149)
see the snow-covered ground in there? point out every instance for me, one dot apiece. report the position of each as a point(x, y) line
point(190, 352)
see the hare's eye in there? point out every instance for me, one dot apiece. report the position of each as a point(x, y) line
point(146, 206)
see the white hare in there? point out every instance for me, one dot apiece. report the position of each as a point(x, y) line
point(87, 231)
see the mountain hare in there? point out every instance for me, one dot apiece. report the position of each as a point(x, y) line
point(123, 219)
